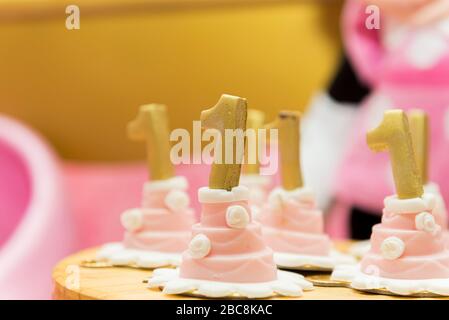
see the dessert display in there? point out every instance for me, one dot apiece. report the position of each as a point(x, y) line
point(419, 130)
point(408, 254)
point(159, 231)
point(293, 226)
point(251, 178)
point(227, 255)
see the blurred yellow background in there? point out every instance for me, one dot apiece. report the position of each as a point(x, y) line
point(80, 87)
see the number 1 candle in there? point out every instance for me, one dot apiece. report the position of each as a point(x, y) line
point(151, 125)
point(288, 124)
point(228, 114)
point(393, 135)
point(419, 129)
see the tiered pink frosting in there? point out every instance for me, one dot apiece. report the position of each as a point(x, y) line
point(409, 243)
point(293, 224)
point(163, 223)
point(236, 251)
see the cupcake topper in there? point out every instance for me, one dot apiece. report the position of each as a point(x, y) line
point(229, 113)
point(255, 122)
point(151, 125)
point(288, 124)
point(420, 134)
point(393, 134)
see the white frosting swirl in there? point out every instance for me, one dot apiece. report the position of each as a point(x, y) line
point(392, 248)
point(237, 217)
point(177, 200)
point(132, 220)
point(199, 246)
point(425, 221)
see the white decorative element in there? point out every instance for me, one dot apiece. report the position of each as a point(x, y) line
point(132, 220)
point(426, 49)
point(293, 261)
point(395, 205)
point(199, 246)
point(287, 284)
point(207, 195)
point(179, 183)
point(365, 282)
point(425, 221)
point(279, 195)
point(118, 255)
point(392, 248)
point(237, 217)
point(177, 200)
point(256, 213)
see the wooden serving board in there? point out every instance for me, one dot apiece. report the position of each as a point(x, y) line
point(73, 282)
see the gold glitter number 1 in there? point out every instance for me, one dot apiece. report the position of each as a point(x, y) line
point(393, 134)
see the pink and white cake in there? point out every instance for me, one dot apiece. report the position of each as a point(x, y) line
point(227, 256)
point(408, 254)
point(359, 249)
point(294, 228)
point(158, 232)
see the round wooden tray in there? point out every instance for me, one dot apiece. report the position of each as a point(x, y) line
point(74, 282)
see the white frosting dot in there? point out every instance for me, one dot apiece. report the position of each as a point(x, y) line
point(237, 217)
point(392, 248)
point(132, 220)
point(199, 246)
point(177, 200)
point(425, 221)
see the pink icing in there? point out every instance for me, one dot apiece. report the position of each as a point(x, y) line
point(425, 255)
point(162, 230)
point(236, 255)
point(214, 214)
point(297, 227)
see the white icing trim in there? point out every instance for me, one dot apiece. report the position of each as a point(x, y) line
point(237, 217)
point(300, 261)
point(412, 206)
point(254, 180)
point(132, 219)
point(392, 248)
point(178, 182)
point(432, 188)
point(288, 284)
point(199, 246)
point(118, 255)
point(366, 282)
point(177, 200)
point(207, 195)
point(425, 221)
point(300, 194)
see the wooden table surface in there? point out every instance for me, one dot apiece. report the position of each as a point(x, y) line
point(73, 282)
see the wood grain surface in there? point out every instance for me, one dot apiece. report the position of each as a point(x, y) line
point(127, 284)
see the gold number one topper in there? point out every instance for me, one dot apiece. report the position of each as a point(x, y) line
point(255, 121)
point(229, 113)
point(151, 125)
point(288, 124)
point(393, 134)
point(419, 128)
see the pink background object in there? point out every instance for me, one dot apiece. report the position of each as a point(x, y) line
point(36, 230)
point(395, 61)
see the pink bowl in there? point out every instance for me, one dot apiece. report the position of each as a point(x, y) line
point(35, 227)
